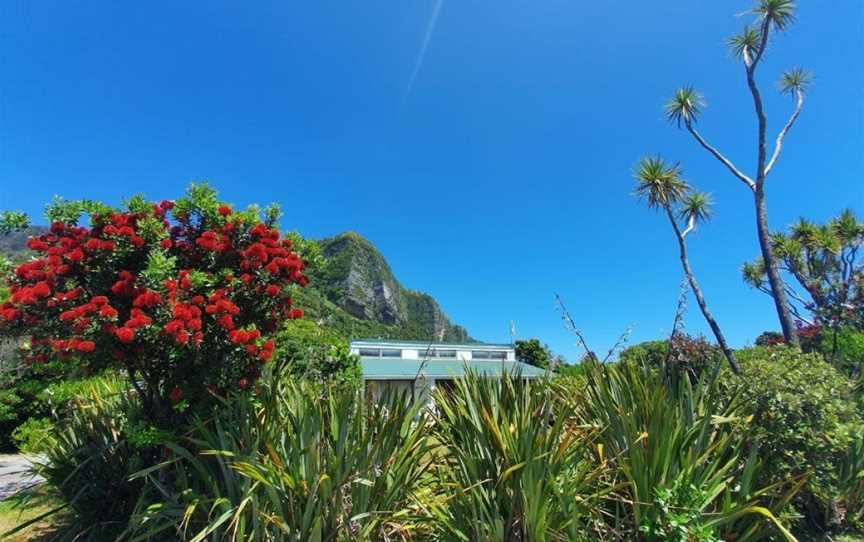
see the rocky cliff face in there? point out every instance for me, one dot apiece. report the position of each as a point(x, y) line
point(358, 279)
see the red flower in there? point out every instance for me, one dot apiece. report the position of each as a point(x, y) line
point(10, 314)
point(86, 346)
point(226, 322)
point(166, 243)
point(224, 210)
point(76, 255)
point(176, 395)
point(173, 326)
point(272, 290)
point(181, 337)
point(42, 289)
point(125, 334)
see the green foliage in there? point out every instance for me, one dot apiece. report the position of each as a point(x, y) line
point(33, 436)
point(650, 352)
point(844, 349)
point(11, 221)
point(570, 370)
point(533, 352)
point(305, 463)
point(33, 393)
point(685, 106)
point(308, 350)
point(803, 421)
point(678, 452)
point(513, 468)
point(88, 460)
point(823, 260)
point(660, 183)
point(689, 354)
point(851, 482)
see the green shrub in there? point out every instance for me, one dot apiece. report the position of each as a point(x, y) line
point(844, 349)
point(690, 354)
point(308, 350)
point(29, 403)
point(33, 436)
point(89, 460)
point(851, 475)
point(29, 391)
point(803, 421)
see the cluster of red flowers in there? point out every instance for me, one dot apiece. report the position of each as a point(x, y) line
point(73, 345)
point(105, 304)
point(124, 225)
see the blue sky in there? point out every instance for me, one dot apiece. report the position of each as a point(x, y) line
point(502, 175)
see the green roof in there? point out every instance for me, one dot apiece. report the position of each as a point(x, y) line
point(408, 369)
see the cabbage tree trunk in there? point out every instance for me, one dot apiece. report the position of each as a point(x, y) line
point(697, 293)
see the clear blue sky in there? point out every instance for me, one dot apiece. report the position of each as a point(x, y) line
point(500, 176)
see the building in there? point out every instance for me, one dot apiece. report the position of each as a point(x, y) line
point(419, 367)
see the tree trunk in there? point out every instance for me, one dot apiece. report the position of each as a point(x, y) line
point(700, 299)
point(778, 293)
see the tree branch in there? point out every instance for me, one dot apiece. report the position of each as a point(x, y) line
point(792, 308)
point(719, 156)
point(691, 225)
point(778, 146)
point(757, 103)
point(763, 44)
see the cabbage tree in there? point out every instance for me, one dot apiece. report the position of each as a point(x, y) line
point(687, 104)
point(662, 187)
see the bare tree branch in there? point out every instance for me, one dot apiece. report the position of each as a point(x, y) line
point(571, 325)
point(719, 156)
point(778, 146)
point(763, 44)
point(691, 225)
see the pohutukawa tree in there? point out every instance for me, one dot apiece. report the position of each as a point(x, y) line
point(663, 188)
point(184, 296)
point(685, 107)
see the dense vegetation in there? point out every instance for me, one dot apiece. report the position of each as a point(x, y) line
point(619, 454)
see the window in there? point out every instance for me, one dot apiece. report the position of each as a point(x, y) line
point(380, 353)
point(435, 353)
point(487, 354)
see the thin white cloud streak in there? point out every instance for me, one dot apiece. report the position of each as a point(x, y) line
point(421, 55)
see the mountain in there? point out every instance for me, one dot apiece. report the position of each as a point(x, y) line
point(14, 245)
point(353, 291)
point(362, 297)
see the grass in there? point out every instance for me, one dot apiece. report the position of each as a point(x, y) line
point(16, 510)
